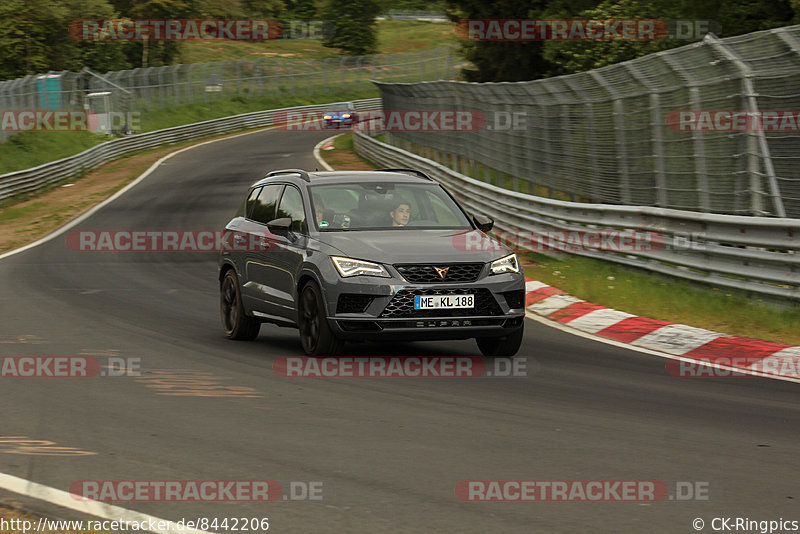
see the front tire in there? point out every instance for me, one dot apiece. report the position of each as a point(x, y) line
point(316, 335)
point(501, 347)
point(237, 325)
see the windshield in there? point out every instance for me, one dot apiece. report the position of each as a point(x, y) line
point(385, 206)
point(342, 106)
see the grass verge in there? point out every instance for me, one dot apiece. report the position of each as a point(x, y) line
point(30, 149)
point(659, 297)
point(344, 157)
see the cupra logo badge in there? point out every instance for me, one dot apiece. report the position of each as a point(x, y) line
point(442, 272)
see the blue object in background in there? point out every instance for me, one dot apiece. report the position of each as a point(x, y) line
point(50, 91)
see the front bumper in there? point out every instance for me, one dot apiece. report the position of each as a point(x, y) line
point(498, 311)
point(338, 123)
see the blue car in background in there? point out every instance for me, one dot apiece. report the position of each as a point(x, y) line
point(341, 114)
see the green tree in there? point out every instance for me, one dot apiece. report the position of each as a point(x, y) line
point(34, 38)
point(732, 17)
point(158, 53)
point(302, 9)
point(514, 61)
point(578, 56)
point(29, 31)
point(263, 8)
point(97, 55)
point(737, 17)
point(501, 61)
point(351, 26)
point(221, 9)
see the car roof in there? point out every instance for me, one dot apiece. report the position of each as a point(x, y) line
point(333, 177)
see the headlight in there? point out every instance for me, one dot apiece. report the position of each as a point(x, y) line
point(346, 116)
point(508, 264)
point(326, 117)
point(350, 267)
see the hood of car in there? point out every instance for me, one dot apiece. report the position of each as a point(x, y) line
point(416, 246)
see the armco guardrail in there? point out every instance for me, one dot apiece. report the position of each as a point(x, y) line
point(759, 254)
point(29, 180)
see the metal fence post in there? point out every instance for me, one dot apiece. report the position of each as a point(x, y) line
point(760, 141)
point(619, 137)
point(699, 144)
point(656, 124)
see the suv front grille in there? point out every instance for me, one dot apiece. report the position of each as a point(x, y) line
point(402, 304)
point(427, 273)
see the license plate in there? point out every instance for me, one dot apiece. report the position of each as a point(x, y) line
point(433, 302)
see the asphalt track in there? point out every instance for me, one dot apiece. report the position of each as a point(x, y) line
point(389, 452)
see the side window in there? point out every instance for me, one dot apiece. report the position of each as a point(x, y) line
point(292, 206)
point(264, 206)
point(247, 209)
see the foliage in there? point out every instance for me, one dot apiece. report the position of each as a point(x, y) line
point(515, 61)
point(34, 34)
point(579, 56)
point(351, 26)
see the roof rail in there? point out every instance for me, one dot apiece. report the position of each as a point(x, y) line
point(303, 174)
point(412, 171)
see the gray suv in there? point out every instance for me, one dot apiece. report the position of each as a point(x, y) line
point(374, 255)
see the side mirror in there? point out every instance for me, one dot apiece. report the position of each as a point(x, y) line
point(280, 226)
point(484, 223)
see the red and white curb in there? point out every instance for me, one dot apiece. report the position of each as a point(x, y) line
point(694, 352)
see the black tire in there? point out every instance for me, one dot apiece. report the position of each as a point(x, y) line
point(237, 325)
point(316, 335)
point(501, 347)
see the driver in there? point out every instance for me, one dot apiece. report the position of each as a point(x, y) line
point(401, 212)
